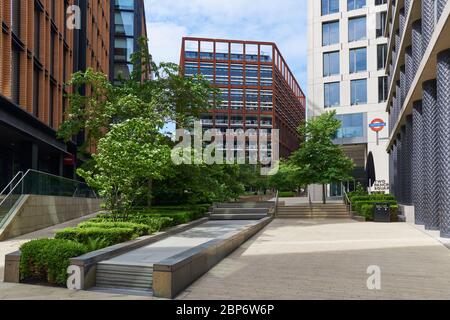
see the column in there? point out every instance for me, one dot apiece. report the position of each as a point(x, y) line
point(399, 166)
point(394, 156)
point(440, 8)
point(402, 19)
point(443, 115)
point(402, 86)
point(418, 163)
point(407, 4)
point(431, 155)
point(409, 69)
point(416, 45)
point(427, 23)
point(407, 191)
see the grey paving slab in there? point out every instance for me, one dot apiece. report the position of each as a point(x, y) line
point(156, 252)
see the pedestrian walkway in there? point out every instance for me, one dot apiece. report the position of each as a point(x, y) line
point(328, 259)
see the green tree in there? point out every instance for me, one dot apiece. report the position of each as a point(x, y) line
point(287, 178)
point(319, 160)
point(125, 122)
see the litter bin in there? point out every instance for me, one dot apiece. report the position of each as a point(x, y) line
point(382, 212)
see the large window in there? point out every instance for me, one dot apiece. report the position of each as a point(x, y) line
point(37, 33)
point(358, 60)
point(352, 125)
point(332, 95)
point(358, 91)
point(357, 29)
point(330, 33)
point(330, 6)
point(15, 16)
point(355, 4)
point(381, 23)
point(380, 2)
point(123, 48)
point(15, 75)
point(331, 63)
point(35, 92)
point(124, 4)
point(382, 89)
point(381, 56)
point(124, 23)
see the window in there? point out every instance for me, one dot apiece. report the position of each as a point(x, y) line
point(381, 23)
point(124, 4)
point(355, 4)
point(380, 2)
point(382, 89)
point(51, 106)
point(331, 63)
point(124, 24)
point(358, 60)
point(52, 53)
point(37, 33)
point(36, 92)
point(330, 7)
point(330, 33)
point(352, 126)
point(123, 49)
point(357, 29)
point(15, 75)
point(15, 17)
point(332, 95)
point(358, 91)
point(381, 56)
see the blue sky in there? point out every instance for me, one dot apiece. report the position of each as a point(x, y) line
point(279, 21)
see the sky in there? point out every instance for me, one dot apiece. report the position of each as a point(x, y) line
point(279, 21)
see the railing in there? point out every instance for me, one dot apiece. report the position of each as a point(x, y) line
point(276, 204)
point(347, 201)
point(39, 183)
point(11, 184)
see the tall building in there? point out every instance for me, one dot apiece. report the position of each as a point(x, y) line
point(38, 55)
point(258, 90)
point(419, 107)
point(347, 52)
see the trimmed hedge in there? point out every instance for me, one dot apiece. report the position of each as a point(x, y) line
point(374, 197)
point(357, 205)
point(367, 211)
point(139, 229)
point(286, 194)
point(48, 259)
point(109, 237)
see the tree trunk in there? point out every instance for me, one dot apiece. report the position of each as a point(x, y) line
point(324, 194)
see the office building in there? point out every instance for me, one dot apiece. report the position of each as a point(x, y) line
point(38, 55)
point(258, 90)
point(419, 107)
point(346, 73)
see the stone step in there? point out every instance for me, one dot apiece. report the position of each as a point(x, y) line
point(124, 277)
point(315, 216)
point(246, 205)
point(240, 211)
point(238, 216)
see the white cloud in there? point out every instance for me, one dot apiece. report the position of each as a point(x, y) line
point(282, 22)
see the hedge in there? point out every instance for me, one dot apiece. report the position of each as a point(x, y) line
point(109, 237)
point(48, 259)
point(367, 211)
point(374, 197)
point(357, 205)
point(286, 194)
point(139, 229)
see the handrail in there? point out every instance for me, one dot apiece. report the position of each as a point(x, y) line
point(13, 189)
point(346, 198)
point(11, 182)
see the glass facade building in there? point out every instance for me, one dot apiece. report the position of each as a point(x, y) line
point(257, 89)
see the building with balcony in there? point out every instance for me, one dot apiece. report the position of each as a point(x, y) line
point(38, 55)
point(347, 51)
point(418, 68)
point(257, 88)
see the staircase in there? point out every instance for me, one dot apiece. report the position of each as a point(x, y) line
point(241, 211)
point(136, 278)
point(315, 211)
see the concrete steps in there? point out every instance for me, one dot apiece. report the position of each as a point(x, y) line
point(124, 277)
point(240, 211)
point(316, 211)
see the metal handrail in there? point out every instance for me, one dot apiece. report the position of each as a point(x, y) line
point(346, 198)
point(11, 182)
point(276, 204)
point(13, 189)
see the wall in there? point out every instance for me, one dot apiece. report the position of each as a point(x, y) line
point(38, 212)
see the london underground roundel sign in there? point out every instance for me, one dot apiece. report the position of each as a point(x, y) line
point(377, 125)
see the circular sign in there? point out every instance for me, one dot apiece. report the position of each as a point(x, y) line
point(377, 125)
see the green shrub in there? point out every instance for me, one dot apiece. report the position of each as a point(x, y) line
point(110, 236)
point(368, 209)
point(138, 228)
point(286, 194)
point(357, 205)
point(374, 197)
point(48, 259)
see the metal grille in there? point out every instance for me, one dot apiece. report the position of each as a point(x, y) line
point(407, 170)
point(417, 51)
point(431, 156)
point(418, 163)
point(443, 112)
point(409, 68)
point(427, 22)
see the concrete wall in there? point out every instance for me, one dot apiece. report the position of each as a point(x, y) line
point(38, 212)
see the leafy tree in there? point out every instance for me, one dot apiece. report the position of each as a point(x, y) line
point(126, 121)
point(319, 160)
point(287, 178)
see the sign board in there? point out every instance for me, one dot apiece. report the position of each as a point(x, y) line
point(377, 125)
point(380, 186)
